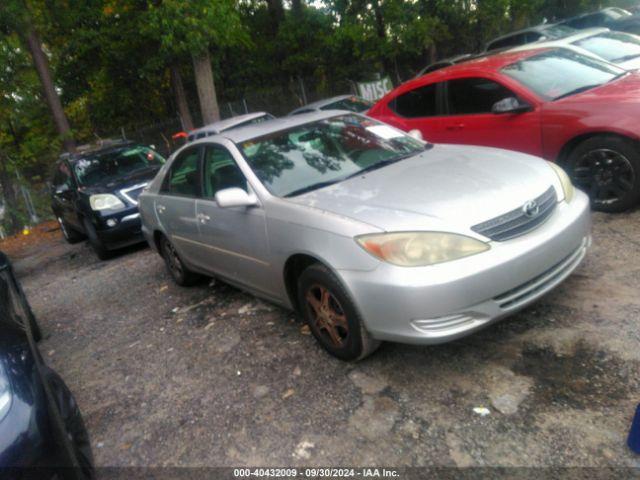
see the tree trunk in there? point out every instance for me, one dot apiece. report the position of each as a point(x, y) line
point(41, 63)
point(276, 14)
point(181, 99)
point(206, 88)
point(296, 8)
point(10, 196)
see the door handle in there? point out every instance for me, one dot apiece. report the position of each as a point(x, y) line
point(203, 218)
point(160, 208)
point(457, 126)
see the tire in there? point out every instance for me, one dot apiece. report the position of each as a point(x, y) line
point(96, 244)
point(607, 168)
point(73, 424)
point(36, 333)
point(176, 267)
point(333, 319)
point(69, 234)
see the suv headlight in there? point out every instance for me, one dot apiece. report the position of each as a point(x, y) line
point(418, 249)
point(5, 393)
point(105, 201)
point(565, 181)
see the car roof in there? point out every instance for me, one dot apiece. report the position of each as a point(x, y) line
point(317, 105)
point(536, 28)
point(564, 41)
point(618, 10)
point(242, 134)
point(490, 61)
point(222, 125)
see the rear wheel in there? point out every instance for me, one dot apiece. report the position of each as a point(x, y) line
point(332, 315)
point(607, 168)
point(177, 269)
point(69, 234)
point(97, 245)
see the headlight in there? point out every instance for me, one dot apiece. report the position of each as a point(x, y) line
point(5, 393)
point(565, 181)
point(105, 201)
point(416, 249)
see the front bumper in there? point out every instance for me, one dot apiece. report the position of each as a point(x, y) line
point(127, 230)
point(439, 303)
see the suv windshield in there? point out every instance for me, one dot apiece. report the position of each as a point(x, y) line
point(353, 104)
point(612, 46)
point(113, 164)
point(310, 156)
point(561, 72)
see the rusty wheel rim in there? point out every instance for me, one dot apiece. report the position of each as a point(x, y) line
point(327, 315)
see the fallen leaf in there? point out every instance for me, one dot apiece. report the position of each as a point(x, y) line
point(288, 393)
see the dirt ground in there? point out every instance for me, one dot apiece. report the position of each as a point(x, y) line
point(210, 376)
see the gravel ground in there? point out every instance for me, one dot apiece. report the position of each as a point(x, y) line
point(211, 376)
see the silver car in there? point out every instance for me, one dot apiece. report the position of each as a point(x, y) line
point(368, 233)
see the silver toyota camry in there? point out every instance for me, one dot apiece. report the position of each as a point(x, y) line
point(368, 233)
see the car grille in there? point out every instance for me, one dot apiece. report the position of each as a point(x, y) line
point(518, 222)
point(132, 193)
point(545, 281)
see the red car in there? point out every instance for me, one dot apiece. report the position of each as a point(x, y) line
point(555, 103)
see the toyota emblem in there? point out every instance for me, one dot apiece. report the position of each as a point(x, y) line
point(531, 208)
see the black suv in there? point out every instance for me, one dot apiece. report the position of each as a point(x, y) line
point(94, 194)
point(42, 434)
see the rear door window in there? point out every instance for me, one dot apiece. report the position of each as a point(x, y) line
point(183, 177)
point(419, 102)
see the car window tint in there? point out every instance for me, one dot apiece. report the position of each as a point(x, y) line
point(221, 171)
point(420, 102)
point(183, 174)
point(474, 95)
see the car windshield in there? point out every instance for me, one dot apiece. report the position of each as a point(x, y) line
point(310, 156)
point(352, 104)
point(612, 46)
point(559, 73)
point(115, 164)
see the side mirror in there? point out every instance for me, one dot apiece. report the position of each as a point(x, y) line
point(417, 134)
point(510, 105)
point(235, 197)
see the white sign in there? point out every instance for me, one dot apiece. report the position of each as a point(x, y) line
point(372, 91)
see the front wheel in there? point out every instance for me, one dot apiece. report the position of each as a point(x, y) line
point(97, 245)
point(607, 168)
point(69, 234)
point(73, 423)
point(332, 315)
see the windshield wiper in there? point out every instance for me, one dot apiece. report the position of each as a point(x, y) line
point(575, 91)
point(380, 164)
point(313, 186)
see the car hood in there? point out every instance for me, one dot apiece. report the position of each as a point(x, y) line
point(110, 185)
point(449, 187)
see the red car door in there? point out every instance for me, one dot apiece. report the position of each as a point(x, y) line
point(417, 108)
point(469, 117)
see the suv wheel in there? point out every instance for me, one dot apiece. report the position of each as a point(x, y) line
point(96, 244)
point(332, 315)
point(607, 168)
point(69, 234)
